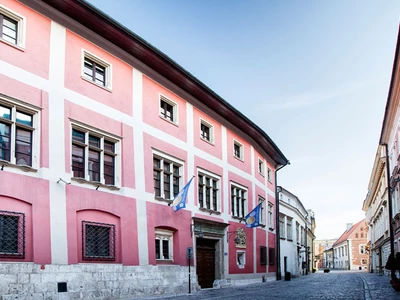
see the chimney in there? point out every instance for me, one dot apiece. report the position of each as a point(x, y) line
point(349, 225)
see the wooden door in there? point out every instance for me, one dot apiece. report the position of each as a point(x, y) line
point(205, 262)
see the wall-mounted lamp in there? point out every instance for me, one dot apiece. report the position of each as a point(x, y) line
point(198, 228)
point(229, 234)
point(62, 180)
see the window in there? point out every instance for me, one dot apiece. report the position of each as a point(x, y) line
point(208, 192)
point(238, 150)
point(168, 109)
point(12, 234)
point(289, 228)
point(261, 200)
point(361, 235)
point(98, 241)
point(12, 29)
point(281, 226)
point(238, 201)
point(362, 249)
point(16, 134)
point(271, 255)
point(356, 235)
point(364, 261)
point(270, 216)
point(206, 131)
point(164, 244)
point(261, 166)
point(167, 177)
point(94, 156)
point(263, 255)
point(96, 70)
point(297, 233)
point(241, 259)
point(269, 175)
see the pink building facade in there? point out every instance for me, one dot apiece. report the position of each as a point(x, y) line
point(98, 132)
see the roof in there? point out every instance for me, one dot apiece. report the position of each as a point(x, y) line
point(106, 27)
point(391, 105)
point(345, 236)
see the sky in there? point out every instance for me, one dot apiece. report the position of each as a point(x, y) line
point(314, 75)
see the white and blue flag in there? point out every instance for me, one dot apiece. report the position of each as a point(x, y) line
point(253, 218)
point(180, 199)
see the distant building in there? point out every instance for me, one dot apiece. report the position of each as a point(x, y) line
point(349, 251)
point(296, 230)
point(321, 249)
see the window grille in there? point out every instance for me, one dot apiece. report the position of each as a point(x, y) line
point(263, 255)
point(272, 256)
point(98, 241)
point(12, 235)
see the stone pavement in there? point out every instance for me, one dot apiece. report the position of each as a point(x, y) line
point(357, 285)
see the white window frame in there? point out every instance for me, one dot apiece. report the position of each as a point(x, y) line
point(261, 166)
point(211, 131)
point(213, 177)
point(241, 259)
point(16, 105)
point(282, 225)
point(361, 247)
point(269, 173)
point(170, 159)
point(289, 228)
point(165, 235)
point(106, 65)
point(88, 130)
point(175, 110)
point(262, 201)
point(21, 27)
point(240, 213)
point(270, 216)
point(241, 149)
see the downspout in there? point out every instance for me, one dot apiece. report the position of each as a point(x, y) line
point(277, 235)
point(391, 233)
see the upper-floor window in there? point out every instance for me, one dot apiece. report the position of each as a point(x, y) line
point(289, 231)
point(208, 192)
point(164, 244)
point(94, 156)
point(96, 70)
point(12, 27)
point(238, 201)
point(166, 177)
point(270, 216)
point(16, 134)
point(206, 131)
point(168, 109)
point(238, 150)
point(297, 232)
point(261, 166)
point(356, 235)
point(362, 249)
point(12, 234)
point(269, 175)
point(261, 201)
point(98, 241)
point(281, 226)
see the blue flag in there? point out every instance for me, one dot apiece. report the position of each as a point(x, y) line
point(253, 217)
point(180, 199)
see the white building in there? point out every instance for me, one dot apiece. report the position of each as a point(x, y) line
point(292, 230)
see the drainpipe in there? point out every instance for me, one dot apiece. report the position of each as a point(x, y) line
point(391, 233)
point(277, 235)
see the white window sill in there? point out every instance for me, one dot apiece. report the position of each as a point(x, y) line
point(239, 158)
point(170, 122)
point(96, 84)
point(18, 47)
point(207, 141)
point(96, 184)
point(6, 164)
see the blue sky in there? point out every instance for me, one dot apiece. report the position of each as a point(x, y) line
point(313, 74)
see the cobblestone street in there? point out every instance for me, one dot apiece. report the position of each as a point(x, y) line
point(333, 285)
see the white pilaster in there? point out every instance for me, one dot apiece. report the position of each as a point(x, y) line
point(58, 212)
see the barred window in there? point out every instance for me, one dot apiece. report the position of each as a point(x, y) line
point(271, 255)
point(12, 234)
point(238, 201)
point(263, 255)
point(93, 156)
point(164, 244)
point(208, 192)
point(166, 177)
point(98, 241)
point(16, 134)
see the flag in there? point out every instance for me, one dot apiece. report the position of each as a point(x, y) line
point(180, 199)
point(253, 217)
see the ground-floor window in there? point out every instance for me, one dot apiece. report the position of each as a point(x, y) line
point(164, 244)
point(98, 241)
point(12, 234)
